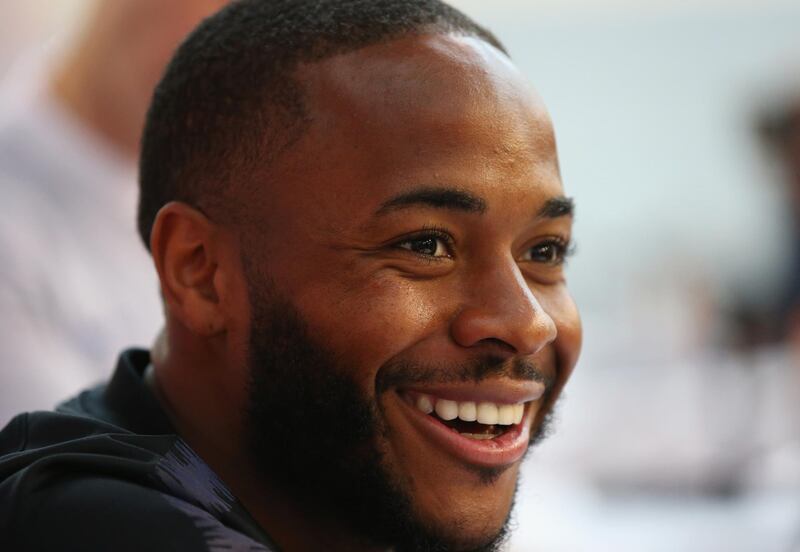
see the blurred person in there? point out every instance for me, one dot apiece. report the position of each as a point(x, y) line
point(779, 129)
point(775, 359)
point(356, 214)
point(75, 285)
point(18, 26)
point(733, 372)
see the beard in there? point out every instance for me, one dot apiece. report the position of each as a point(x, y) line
point(313, 431)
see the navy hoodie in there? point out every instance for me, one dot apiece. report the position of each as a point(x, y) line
point(107, 472)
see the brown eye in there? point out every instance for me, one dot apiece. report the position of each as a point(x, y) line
point(552, 252)
point(430, 246)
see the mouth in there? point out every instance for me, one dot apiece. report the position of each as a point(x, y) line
point(480, 425)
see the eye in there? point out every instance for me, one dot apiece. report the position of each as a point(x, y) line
point(551, 252)
point(428, 245)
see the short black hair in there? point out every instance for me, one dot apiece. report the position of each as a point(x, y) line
point(228, 104)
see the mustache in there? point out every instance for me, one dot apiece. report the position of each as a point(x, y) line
point(401, 373)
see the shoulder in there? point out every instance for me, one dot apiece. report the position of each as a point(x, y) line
point(72, 483)
point(98, 513)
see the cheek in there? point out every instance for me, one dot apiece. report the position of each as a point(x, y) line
point(560, 306)
point(373, 320)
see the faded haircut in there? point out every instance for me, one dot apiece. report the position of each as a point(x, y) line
point(229, 103)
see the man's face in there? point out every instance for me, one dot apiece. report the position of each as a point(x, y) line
point(408, 258)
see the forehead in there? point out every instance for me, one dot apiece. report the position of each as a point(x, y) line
point(429, 109)
point(427, 76)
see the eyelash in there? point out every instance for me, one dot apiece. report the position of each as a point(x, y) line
point(564, 248)
point(431, 232)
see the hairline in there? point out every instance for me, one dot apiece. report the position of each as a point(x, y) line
point(300, 118)
point(282, 102)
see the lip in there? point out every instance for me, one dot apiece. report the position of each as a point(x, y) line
point(499, 452)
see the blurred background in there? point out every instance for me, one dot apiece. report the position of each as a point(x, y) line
point(679, 137)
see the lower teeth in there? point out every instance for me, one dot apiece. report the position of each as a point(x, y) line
point(479, 436)
point(474, 430)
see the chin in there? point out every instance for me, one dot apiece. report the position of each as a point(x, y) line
point(467, 510)
point(468, 532)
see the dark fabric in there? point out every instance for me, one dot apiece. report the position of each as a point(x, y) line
point(106, 471)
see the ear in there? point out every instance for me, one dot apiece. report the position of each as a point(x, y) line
point(183, 245)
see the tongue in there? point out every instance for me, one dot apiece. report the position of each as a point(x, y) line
point(474, 429)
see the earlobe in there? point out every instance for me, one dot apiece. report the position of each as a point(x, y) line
point(183, 248)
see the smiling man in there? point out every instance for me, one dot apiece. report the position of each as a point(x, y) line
point(356, 214)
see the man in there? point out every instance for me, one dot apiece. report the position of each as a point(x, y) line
point(70, 124)
point(359, 227)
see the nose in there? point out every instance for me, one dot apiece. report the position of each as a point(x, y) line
point(501, 308)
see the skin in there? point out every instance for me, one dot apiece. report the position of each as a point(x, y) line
point(108, 77)
point(431, 110)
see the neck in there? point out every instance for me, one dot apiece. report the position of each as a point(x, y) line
point(298, 526)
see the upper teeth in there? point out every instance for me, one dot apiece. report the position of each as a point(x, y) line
point(483, 412)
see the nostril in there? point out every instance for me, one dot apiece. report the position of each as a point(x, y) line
point(495, 343)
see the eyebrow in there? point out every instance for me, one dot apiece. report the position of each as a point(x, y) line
point(438, 198)
point(556, 207)
point(460, 200)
